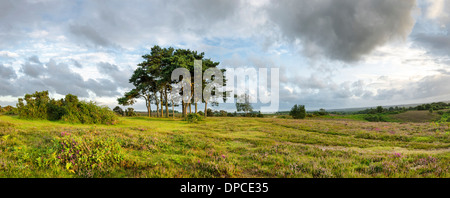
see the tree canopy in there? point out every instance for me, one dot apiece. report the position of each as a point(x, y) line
point(152, 78)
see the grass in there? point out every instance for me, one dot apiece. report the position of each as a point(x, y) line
point(416, 116)
point(224, 147)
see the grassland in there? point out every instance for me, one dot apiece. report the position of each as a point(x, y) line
point(416, 116)
point(224, 147)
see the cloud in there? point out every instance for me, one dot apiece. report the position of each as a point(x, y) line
point(7, 72)
point(32, 69)
point(438, 44)
point(102, 24)
point(119, 76)
point(436, 10)
point(7, 54)
point(59, 78)
point(343, 30)
point(76, 63)
point(91, 35)
point(19, 19)
point(431, 30)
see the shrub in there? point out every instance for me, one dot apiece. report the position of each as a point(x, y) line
point(36, 106)
point(260, 115)
point(193, 118)
point(130, 112)
point(118, 110)
point(375, 118)
point(69, 109)
point(298, 112)
point(87, 155)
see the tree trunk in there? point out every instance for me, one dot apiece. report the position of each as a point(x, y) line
point(167, 104)
point(157, 109)
point(149, 110)
point(185, 110)
point(182, 108)
point(195, 104)
point(190, 105)
point(149, 106)
point(173, 110)
point(206, 108)
point(162, 109)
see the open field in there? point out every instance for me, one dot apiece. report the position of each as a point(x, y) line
point(224, 147)
point(416, 116)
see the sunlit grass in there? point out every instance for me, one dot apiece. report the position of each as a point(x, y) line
point(225, 147)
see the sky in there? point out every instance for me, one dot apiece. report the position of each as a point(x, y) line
point(330, 54)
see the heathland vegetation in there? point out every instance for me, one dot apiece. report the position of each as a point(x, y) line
point(39, 142)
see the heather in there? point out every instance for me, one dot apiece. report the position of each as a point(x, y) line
point(219, 147)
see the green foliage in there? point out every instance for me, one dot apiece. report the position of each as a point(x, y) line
point(209, 112)
point(89, 113)
point(260, 115)
point(193, 117)
point(87, 155)
point(375, 118)
point(245, 106)
point(8, 110)
point(152, 78)
point(39, 107)
point(298, 112)
point(119, 111)
point(36, 106)
point(130, 112)
point(55, 110)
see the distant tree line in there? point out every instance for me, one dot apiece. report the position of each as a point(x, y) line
point(393, 110)
point(41, 107)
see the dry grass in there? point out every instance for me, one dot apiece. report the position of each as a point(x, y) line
point(416, 116)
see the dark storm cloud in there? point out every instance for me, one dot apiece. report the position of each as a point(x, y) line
point(342, 30)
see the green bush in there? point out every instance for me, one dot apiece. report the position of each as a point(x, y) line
point(193, 118)
point(375, 118)
point(298, 112)
point(36, 106)
point(70, 109)
point(130, 112)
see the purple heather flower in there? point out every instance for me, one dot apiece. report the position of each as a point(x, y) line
point(397, 154)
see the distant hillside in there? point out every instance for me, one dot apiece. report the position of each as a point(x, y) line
point(355, 109)
point(416, 116)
